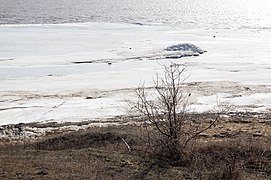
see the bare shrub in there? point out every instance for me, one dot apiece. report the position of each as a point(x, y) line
point(169, 128)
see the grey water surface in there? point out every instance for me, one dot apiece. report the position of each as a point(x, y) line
point(221, 14)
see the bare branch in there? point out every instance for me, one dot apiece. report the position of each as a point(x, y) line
point(165, 110)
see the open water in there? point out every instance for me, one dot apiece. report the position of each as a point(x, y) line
point(206, 14)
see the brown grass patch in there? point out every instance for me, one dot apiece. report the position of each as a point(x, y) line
point(100, 153)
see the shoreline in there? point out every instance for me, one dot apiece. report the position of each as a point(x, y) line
point(259, 124)
point(101, 105)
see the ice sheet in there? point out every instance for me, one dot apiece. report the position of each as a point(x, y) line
point(36, 67)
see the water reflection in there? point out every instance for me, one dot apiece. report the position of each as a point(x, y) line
point(230, 14)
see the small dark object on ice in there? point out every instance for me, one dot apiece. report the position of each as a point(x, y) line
point(247, 89)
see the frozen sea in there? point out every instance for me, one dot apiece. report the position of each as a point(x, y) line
point(40, 41)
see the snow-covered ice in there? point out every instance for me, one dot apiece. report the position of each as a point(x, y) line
point(40, 81)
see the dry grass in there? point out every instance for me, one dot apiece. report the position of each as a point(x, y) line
point(100, 153)
point(231, 159)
